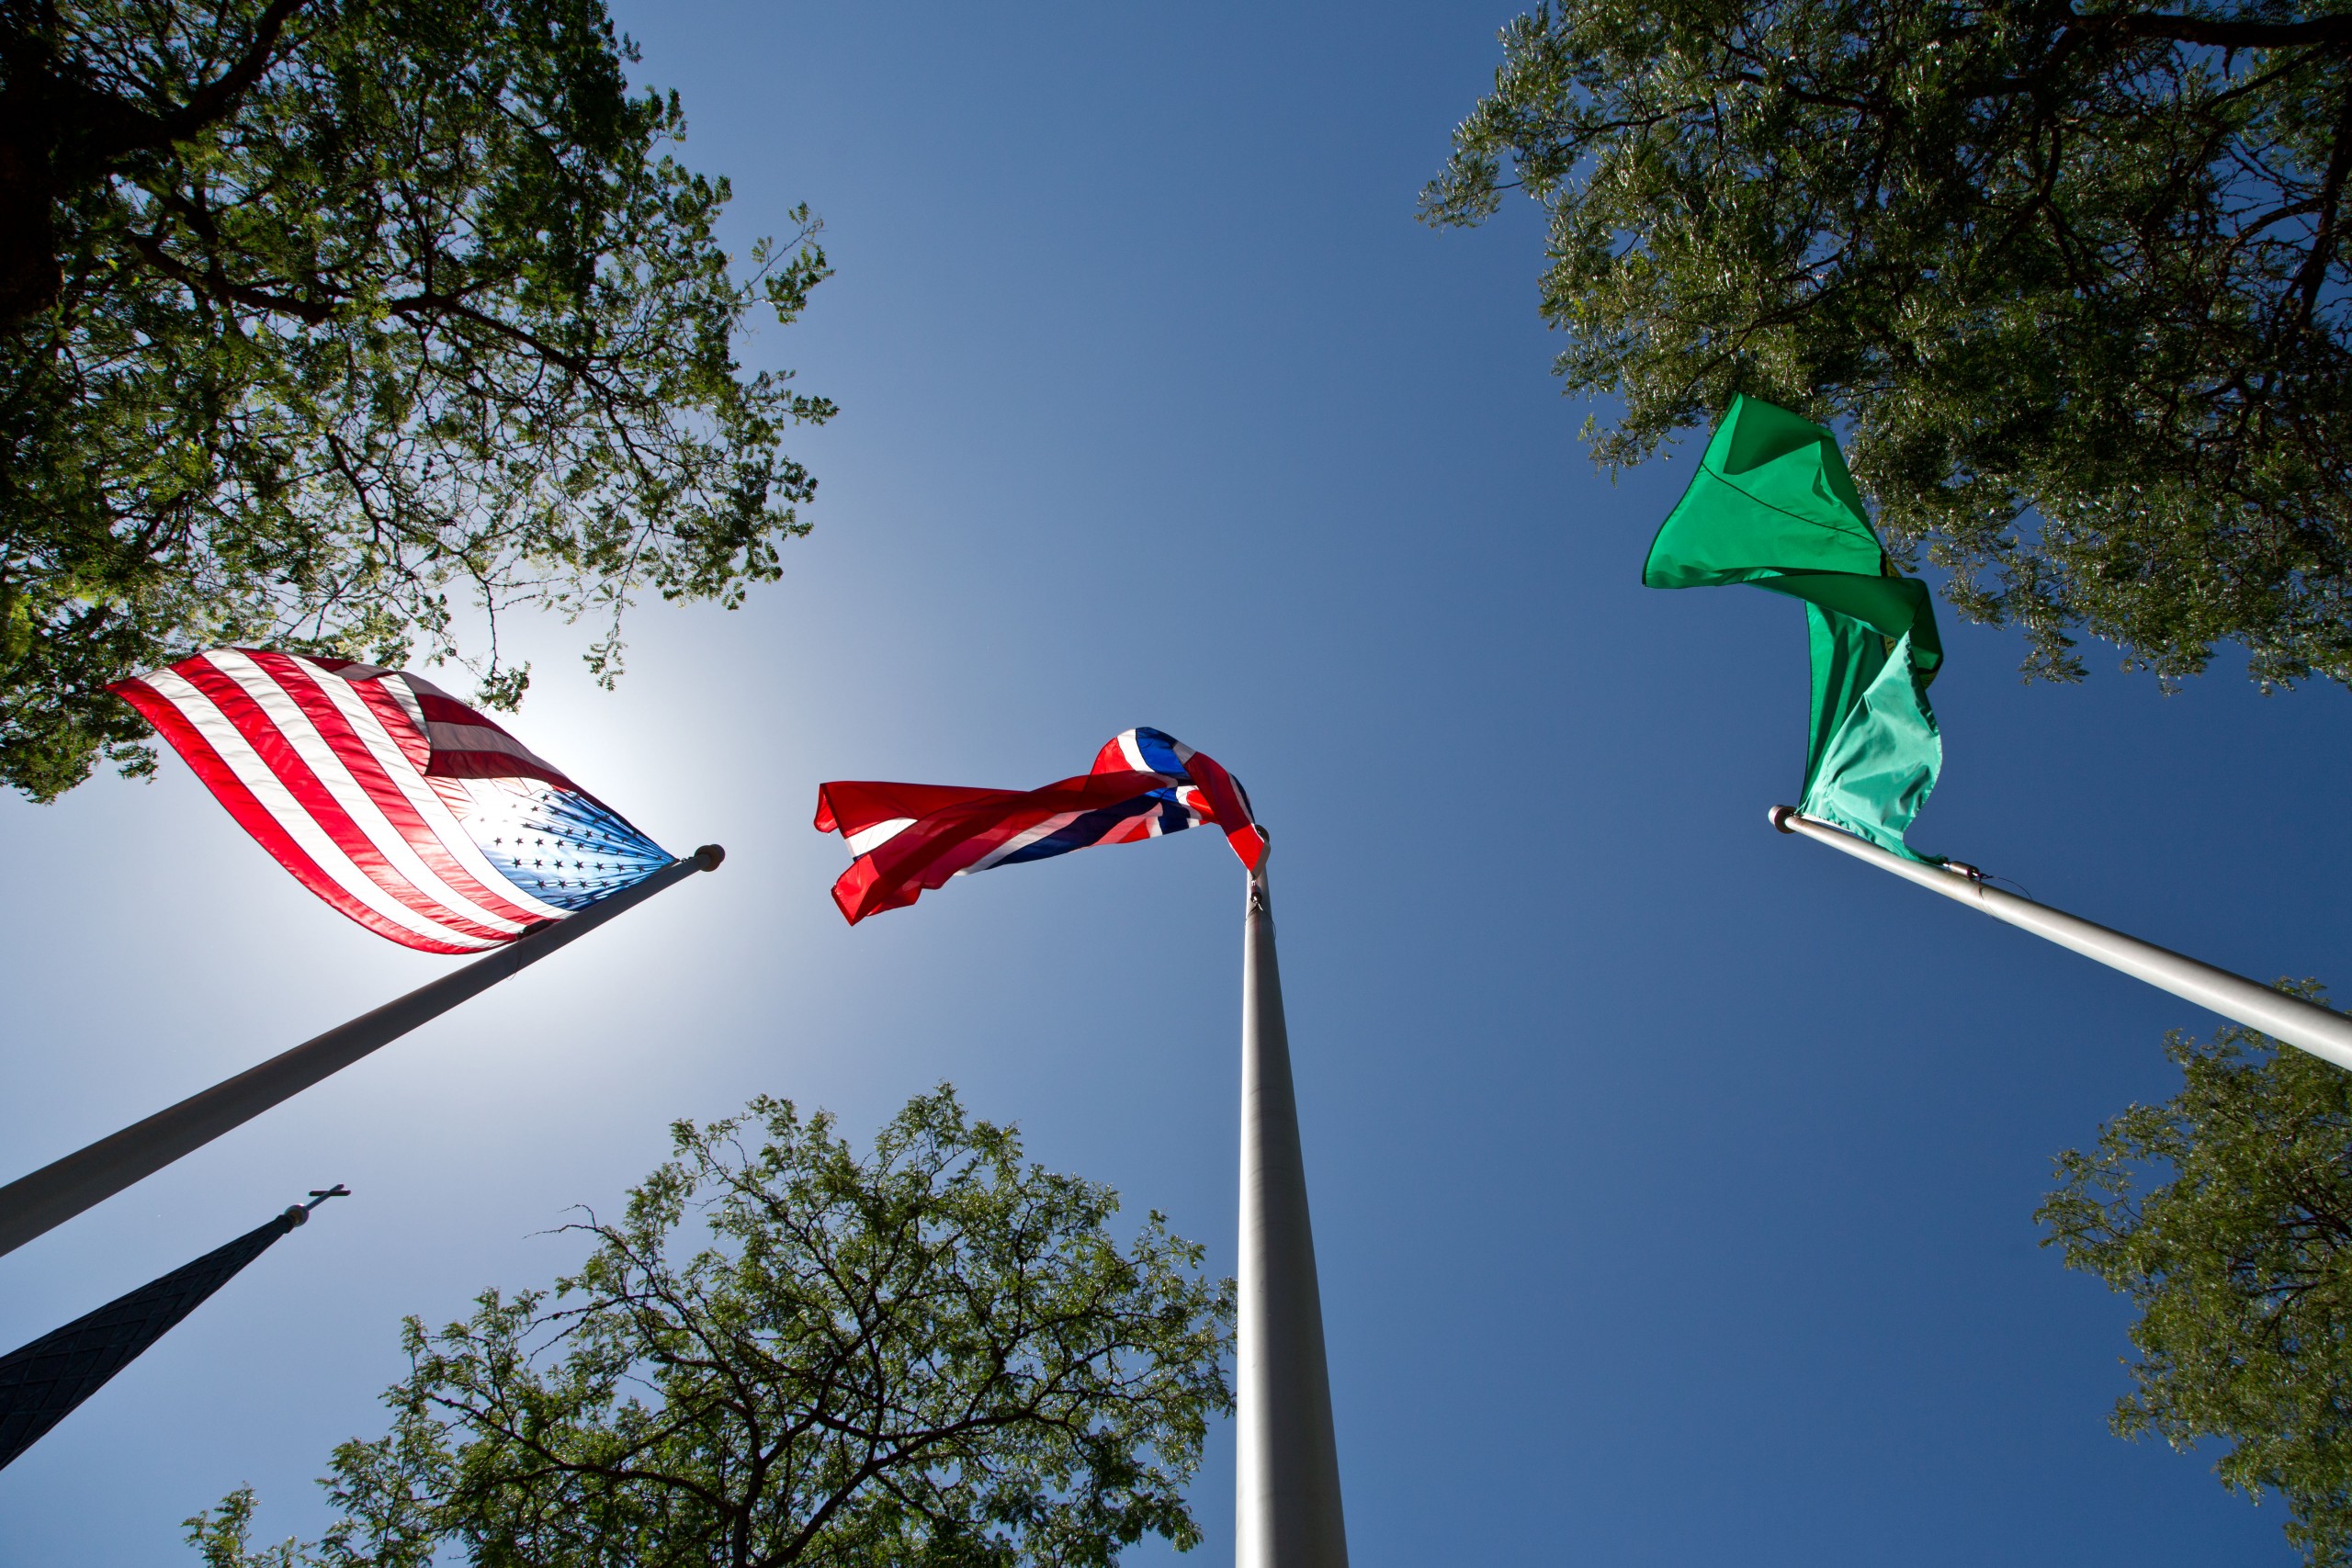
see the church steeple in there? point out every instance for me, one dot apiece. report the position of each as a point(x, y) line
point(41, 1383)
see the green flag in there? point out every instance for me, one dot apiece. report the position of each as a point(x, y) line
point(1773, 505)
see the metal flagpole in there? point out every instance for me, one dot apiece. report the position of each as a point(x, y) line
point(33, 1204)
point(2323, 1032)
point(1287, 1468)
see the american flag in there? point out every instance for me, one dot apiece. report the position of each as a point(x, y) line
point(398, 805)
point(912, 838)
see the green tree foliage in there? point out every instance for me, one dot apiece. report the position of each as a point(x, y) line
point(222, 1540)
point(2226, 1216)
point(932, 1355)
point(338, 323)
point(2075, 281)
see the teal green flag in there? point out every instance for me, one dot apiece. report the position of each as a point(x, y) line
point(1773, 505)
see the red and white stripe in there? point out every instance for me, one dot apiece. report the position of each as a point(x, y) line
point(324, 763)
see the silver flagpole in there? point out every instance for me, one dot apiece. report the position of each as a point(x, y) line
point(2323, 1032)
point(33, 1204)
point(1287, 1466)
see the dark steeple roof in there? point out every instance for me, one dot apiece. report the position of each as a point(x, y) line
point(41, 1383)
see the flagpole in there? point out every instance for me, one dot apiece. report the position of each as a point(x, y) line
point(1287, 1511)
point(32, 1205)
point(2321, 1031)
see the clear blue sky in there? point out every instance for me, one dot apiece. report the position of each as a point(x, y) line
point(1673, 1180)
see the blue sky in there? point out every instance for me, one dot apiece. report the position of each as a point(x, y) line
point(1672, 1179)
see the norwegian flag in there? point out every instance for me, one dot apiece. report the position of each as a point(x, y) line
point(394, 802)
point(909, 838)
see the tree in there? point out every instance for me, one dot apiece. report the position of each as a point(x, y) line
point(2226, 1216)
point(933, 1356)
point(348, 325)
point(2074, 280)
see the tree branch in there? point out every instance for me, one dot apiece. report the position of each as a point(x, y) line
point(2314, 270)
point(2333, 32)
point(131, 130)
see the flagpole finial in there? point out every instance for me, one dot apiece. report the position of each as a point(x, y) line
point(1780, 817)
point(299, 1213)
point(709, 856)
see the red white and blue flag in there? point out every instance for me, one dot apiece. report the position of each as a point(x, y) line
point(398, 805)
point(909, 838)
